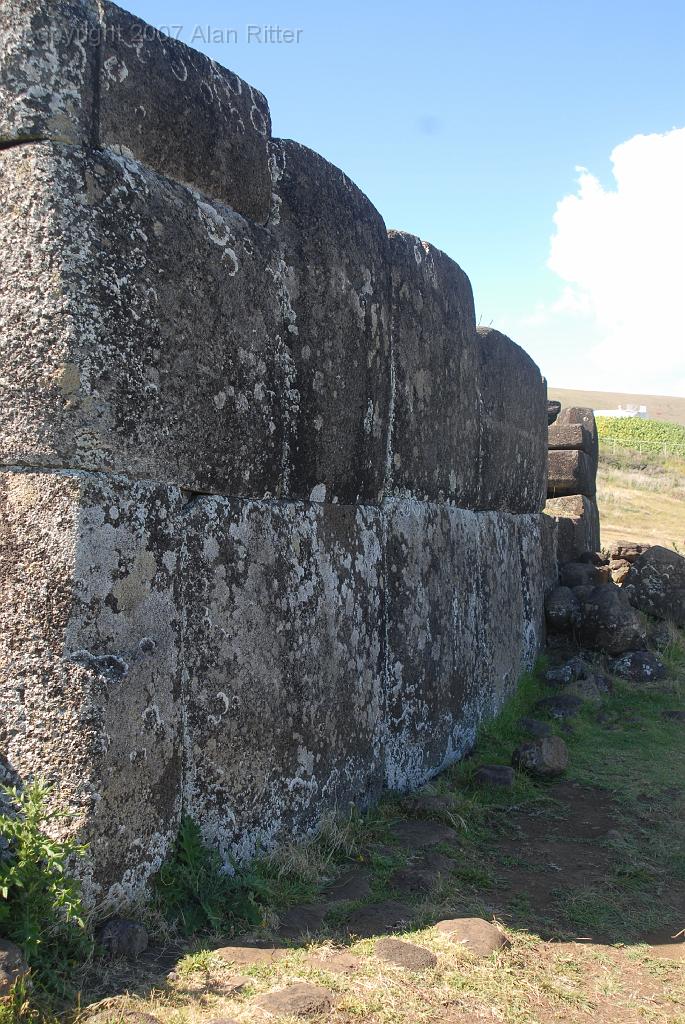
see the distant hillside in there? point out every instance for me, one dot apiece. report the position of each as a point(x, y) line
point(659, 407)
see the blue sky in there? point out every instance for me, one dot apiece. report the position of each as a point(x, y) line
point(465, 123)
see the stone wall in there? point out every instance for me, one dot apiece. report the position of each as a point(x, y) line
point(270, 506)
point(572, 482)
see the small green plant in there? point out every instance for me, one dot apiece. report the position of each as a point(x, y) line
point(40, 905)
point(195, 892)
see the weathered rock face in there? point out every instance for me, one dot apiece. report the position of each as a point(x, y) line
point(513, 465)
point(284, 644)
point(570, 472)
point(608, 622)
point(269, 530)
point(337, 292)
point(656, 584)
point(577, 518)
point(182, 114)
point(460, 631)
point(570, 436)
point(437, 410)
point(89, 660)
point(113, 360)
point(585, 418)
point(48, 70)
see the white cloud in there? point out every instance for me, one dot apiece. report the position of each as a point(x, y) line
point(621, 255)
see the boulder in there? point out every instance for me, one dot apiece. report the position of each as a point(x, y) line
point(609, 623)
point(12, 965)
point(544, 758)
point(534, 727)
point(120, 937)
point(619, 569)
point(570, 472)
point(656, 584)
point(573, 669)
point(479, 937)
point(562, 609)
point(639, 667)
point(553, 410)
point(561, 706)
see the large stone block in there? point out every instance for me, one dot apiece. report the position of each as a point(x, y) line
point(464, 618)
point(182, 114)
point(572, 436)
point(436, 408)
point(48, 70)
point(585, 418)
point(283, 666)
point(577, 518)
point(513, 448)
point(89, 662)
point(143, 329)
point(570, 472)
point(338, 279)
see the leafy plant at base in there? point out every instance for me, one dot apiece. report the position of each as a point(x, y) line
point(195, 892)
point(40, 906)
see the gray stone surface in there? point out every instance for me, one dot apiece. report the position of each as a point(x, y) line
point(12, 965)
point(338, 286)
point(436, 408)
point(609, 623)
point(464, 608)
point(183, 114)
point(479, 937)
point(656, 584)
point(570, 436)
point(283, 658)
point(113, 357)
point(544, 757)
point(513, 448)
point(585, 418)
point(89, 662)
point(48, 70)
point(577, 518)
point(570, 472)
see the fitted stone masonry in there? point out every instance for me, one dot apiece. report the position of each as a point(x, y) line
point(270, 505)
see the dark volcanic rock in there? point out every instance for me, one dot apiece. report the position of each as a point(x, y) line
point(586, 418)
point(513, 451)
point(562, 609)
point(437, 410)
point(120, 937)
point(184, 115)
point(405, 954)
point(573, 669)
point(570, 472)
point(570, 436)
point(553, 410)
point(656, 584)
point(544, 757)
point(639, 666)
point(609, 623)
point(477, 936)
point(579, 574)
point(494, 775)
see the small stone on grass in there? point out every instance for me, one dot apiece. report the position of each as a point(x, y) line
point(494, 775)
point(299, 1000)
point(478, 936)
point(405, 954)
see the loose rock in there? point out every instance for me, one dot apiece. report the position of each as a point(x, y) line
point(12, 965)
point(245, 956)
point(562, 706)
point(299, 1000)
point(494, 775)
point(656, 584)
point(579, 574)
point(609, 623)
point(544, 758)
point(627, 551)
point(405, 954)
point(121, 937)
point(562, 609)
point(353, 886)
point(480, 937)
point(576, 668)
point(639, 666)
